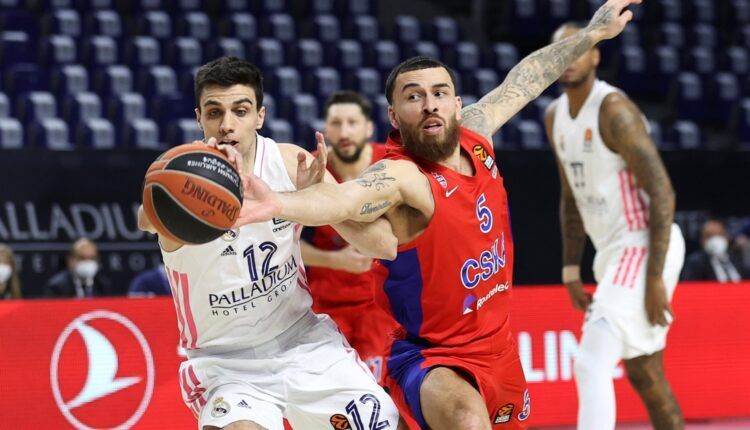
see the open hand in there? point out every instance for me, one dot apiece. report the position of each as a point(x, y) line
point(315, 172)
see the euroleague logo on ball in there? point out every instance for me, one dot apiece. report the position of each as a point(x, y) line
point(102, 372)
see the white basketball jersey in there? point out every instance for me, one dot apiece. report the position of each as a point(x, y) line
point(609, 200)
point(247, 286)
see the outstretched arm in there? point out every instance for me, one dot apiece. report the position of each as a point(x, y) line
point(624, 131)
point(541, 68)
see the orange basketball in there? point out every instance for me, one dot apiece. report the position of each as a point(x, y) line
point(192, 194)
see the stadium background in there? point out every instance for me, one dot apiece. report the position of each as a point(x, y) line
point(92, 90)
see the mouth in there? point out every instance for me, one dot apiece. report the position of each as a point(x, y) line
point(229, 142)
point(432, 126)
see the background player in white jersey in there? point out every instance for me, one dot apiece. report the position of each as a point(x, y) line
point(615, 189)
point(256, 352)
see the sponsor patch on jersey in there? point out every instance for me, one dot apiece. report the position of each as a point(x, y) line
point(588, 136)
point(340, 422)
point(280, 224)
point(469, 304)
point(220, 408)
point(503, 414)
point(231, 235)
point(228, 251)
point(441, 179)
point(243, 404)
point(484, 157)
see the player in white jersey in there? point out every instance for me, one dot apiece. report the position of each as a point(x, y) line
point(256, 352)
point(616, 190)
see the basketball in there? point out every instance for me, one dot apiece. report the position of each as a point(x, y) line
point(192, 194)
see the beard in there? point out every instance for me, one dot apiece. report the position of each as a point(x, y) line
point(351, 158)
point(430, 147)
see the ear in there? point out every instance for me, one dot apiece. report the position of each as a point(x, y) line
point(596, 56)
point(392, 117)
point(459, 106)
point(198, 118)
point(370, 129)
point(261, 117)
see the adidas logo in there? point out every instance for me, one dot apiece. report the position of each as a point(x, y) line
point(243, 404)
point(228, 251)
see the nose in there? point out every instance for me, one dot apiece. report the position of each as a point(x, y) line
point(227, 124)
point(430, 105)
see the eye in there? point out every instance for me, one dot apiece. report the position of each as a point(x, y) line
point(214, 113)
point(413, 97)
point(241, 112)
point(439, 93)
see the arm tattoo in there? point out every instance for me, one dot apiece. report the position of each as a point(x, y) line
point(628, 136)
point(369, 208)
point(571, 224)
point(377, 180)
point(377, 167)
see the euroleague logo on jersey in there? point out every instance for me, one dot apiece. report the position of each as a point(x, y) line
point(102, 372)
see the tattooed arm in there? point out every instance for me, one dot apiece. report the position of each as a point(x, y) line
point(571, 226)
point(624, 131)
point(540, 69)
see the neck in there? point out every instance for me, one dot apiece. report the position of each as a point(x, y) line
point(348, 171)
point(458, 162)
point(577, 95)
point(248, 157)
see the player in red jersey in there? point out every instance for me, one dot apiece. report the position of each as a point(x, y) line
point(340, 278)
point(455, 364)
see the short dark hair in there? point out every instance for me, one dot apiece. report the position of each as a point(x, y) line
point(340, 97)
point(228, 71)
point(414, 63)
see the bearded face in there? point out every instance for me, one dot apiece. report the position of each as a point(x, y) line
point(432, 147)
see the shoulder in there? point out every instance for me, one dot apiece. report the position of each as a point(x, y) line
point(617, 103)
point(549, 113)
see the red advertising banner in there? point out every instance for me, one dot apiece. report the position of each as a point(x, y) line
point(112, 363)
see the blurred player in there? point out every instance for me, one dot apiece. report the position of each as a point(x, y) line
point(455, 364)
point(256, 351)
point(615, 190)
point(341, 279)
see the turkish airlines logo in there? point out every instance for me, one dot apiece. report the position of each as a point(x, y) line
point(102, 372)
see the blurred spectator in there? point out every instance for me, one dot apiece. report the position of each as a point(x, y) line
point(714, 262)
point(81, 278)
point(10, 285)
point(150, 283)
point(742, 243)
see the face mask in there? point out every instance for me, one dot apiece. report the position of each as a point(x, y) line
point(5, 272)
point(86, 269)
point(716, 246)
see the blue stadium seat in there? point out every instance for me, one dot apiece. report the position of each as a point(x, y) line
point(672, 34)
point(524, 18)
point(317, 7)
point(268, 54)
point(267, 7)
point(24, 77)
point(531, 135)
point(157, 80)
point(104, 22)
point(503, 57)
point(704, 35)
point(269, 102)
point(279, 130)
point(666, 64)
point(142, 51)
point(113, 80)
point(142, 133)
point(226, 46)
point(80, 107)
point(465, 56)
point(633, 69)
point(36, 106)
point(145, 5)
point(443, 30)
point(58, 50)
point(326, 28)
point(364, 28)
point(724, 91)
point(657, 135)
point(18, 20)
point(481, 82)
point(406, 30)
point(366, 81)
point(183, 131)
point(50, 133)
point(689, 100)
point(383, 56)
point(169, 107)
point(701, 60)
point(687, 135)
point(4, 106)
point(11, 133)
point(299, 109)
point(183, 52)
point(89, 5)
point(179, 6)
point(468, 99)
point(535, 110)
point(126, 107)
point(737, 61)
point(63, 21)
point(347, 8)
point(322, 83)
point(557, 12)
point(241, 26)
point(380, 117)
point(196, 25)
point(700, 11)
point(743, 126)
point(155, 23)
point(738, 12)
point(631, 35)
point(95, 133)
point(423, 48)
point(99, 51)
point(285, 82)
point(307, 133)
point(667, 10)
point(308, 54)
point(346, 55)
point(279, 26)
point(15, 47)
point(186, 79)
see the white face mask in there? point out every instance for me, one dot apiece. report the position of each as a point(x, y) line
point(716, 246)
point(86, 269)
point(5, 272)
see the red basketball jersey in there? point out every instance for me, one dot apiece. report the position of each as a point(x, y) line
point(451, 286)
point(336, 287)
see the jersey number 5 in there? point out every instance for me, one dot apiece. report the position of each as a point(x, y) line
point(484, 215)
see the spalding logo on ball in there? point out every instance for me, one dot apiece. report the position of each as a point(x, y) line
point(192, 194)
